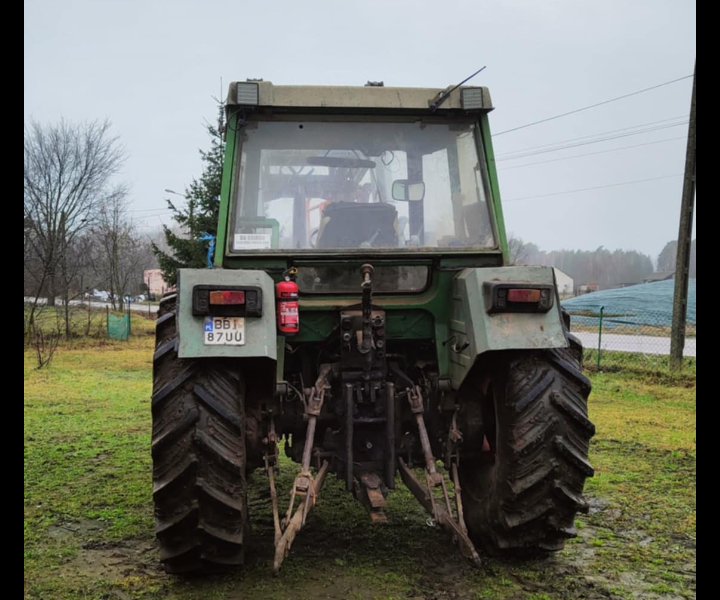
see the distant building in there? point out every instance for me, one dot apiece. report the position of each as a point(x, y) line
point(660, 276)
point(565, 283)
point(155, 283)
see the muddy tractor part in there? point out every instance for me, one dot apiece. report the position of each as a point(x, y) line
point(409, 352)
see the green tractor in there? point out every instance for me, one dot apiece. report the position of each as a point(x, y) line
point(362, 312)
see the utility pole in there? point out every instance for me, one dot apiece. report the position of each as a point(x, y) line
point(682, 269)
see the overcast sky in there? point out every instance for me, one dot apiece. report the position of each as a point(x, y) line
point(152, 67)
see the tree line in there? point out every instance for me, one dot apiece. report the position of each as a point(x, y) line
point(668, 256)
point(602, 266)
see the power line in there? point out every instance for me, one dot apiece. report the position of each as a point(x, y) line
point(592, 136)
point(585, 141)
point(544, 162)
point(607, 138)
point(600, 187)
point(584, 108)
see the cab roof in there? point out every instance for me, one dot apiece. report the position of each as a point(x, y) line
point(371, 97)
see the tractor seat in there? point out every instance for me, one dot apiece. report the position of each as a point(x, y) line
point(354, 225)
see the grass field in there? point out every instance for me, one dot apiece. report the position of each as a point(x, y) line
point(85, 322)
point(88, 529)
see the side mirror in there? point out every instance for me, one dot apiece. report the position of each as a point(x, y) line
point(405, 191)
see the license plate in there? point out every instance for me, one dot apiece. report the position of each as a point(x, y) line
point(224, 331)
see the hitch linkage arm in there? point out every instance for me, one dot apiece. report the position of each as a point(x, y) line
point(306, 487)
point(440, 509)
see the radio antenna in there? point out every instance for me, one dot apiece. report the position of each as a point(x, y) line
point(445, 95)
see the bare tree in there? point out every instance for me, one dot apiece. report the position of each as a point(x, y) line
point(521, 252)
point(68, 170)
point(45, 346)
point(122, 253)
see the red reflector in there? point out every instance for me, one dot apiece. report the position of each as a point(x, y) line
point(527, 296)
point(228, 297)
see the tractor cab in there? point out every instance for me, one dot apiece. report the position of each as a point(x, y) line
point(349, 181)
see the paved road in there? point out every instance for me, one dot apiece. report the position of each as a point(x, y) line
point(643, 344)
point(98, 304)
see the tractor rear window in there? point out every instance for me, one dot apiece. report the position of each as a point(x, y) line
point(342, 279)
point(367, 186)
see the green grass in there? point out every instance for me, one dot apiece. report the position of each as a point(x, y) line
point(88, 529)
point(646, 366)
point(645, 455)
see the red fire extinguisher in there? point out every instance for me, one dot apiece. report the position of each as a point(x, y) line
point(288, 304)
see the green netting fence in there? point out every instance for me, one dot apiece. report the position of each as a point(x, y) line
point(118, 327)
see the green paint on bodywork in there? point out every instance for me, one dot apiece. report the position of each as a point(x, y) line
point(402, 325)
point(494, 186)
point(423, 316)
point(483, 332)
point(260, 332)
point(226, 191)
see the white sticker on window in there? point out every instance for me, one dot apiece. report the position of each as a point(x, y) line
point(252, 241)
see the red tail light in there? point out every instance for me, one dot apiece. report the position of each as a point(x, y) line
point(524, 295)
point(225, 298)
point(227, 301)
point(517, 297)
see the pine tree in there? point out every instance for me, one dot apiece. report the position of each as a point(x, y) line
point(200, 214)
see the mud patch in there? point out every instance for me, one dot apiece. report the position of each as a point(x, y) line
point(82, 530)
point(114, 562)
point(98, 558)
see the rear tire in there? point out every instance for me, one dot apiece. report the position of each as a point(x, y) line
point(525, 469)
point(198, 450)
